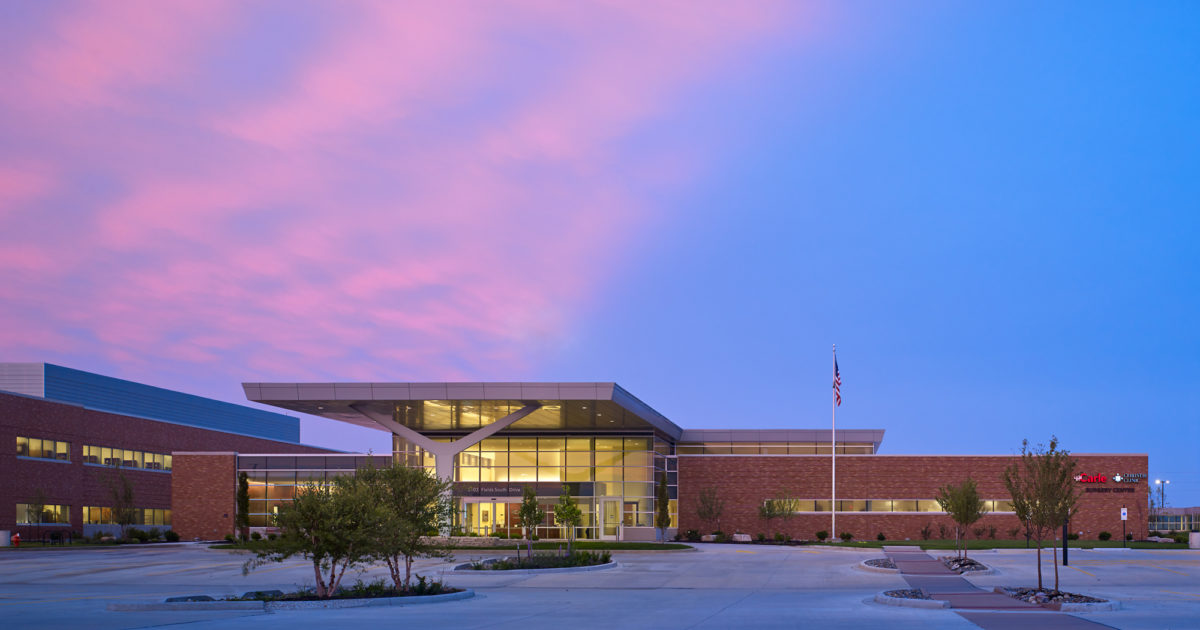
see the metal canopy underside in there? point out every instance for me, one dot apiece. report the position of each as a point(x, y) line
point(465, 407)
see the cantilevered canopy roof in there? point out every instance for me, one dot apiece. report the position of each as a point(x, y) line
point(465, 407)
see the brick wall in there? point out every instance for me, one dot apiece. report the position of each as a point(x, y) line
point(204, 493)
point(75, 484)
point(744, 482)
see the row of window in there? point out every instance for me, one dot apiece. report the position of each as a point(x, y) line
point(126, 458)
point(50, 515)
point(44, 449)
point(774, 448)
point(102, 455)
point(142, 516)
point(61, 515)
point(884, 505)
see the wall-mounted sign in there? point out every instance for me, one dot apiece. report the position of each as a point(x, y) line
point(1091, 478)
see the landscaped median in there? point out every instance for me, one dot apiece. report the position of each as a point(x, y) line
point(545, 563)
point(375, 593)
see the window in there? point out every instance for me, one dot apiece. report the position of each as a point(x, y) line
point(890, 505)
point(125, 458)
point(51, 515)
point(94, 515)
point(43, 449)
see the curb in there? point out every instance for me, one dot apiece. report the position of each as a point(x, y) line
point(366, 603)
point(466, 568)
point(886, 600)
point(866, 567)
point(304, 605)
point(1083, 607)
point(214, 605)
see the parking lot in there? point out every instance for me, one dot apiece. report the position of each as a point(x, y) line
point(718, 586)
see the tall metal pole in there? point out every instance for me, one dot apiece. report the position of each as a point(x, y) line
point(833, 449)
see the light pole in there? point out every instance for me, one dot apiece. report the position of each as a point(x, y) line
point(1162, 487)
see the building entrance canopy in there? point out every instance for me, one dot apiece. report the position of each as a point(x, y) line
point(459, 408)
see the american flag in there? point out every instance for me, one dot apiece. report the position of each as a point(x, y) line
point(837, 383)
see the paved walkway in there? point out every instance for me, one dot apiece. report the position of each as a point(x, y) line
point(989, 610)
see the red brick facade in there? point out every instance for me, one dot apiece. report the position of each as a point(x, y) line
point(204, 489)
point(76, 484)
point(744, 482)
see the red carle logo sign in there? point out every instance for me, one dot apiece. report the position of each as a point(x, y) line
point(1091, 478)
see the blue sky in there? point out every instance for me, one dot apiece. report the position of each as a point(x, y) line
point(991, 209)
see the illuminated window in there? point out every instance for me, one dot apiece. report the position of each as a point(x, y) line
point(43, 449)
point(125, 458)
point(49, 515)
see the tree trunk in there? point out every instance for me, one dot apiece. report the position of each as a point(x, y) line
point(1039, 561)
point(529, 541)
point(408, 572)
point(393, 565)
point(1056, 567)
point(321, 591)
point(964, 554)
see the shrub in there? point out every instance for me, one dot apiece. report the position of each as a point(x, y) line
point(979, 531)
point(1072, 536)
point(155, 533)
point(1180, 537)
point(272, 536)
point(880, 537)
point(692, 535)
point(171, 535)
point(846, 536)
point(1104, 535)
point(822, 535)
point(720, 537)
point(1014, 532)
point(1128, 536)
point(761, 537)
point(780, 537)
point(255, 536)
point(927, 531)
point(943, 531)
point(139, 535)
point(992, 532)
point(229, 538)
point(503, 535)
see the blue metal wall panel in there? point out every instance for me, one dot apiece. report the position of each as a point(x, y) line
point(136, 399)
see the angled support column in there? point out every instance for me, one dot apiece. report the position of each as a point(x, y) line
point(444, 452)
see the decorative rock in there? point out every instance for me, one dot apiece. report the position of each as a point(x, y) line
point(741, 538)
point(261, 594)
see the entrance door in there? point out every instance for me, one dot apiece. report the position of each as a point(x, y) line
point(610, 519)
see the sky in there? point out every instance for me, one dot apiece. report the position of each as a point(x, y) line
point(991, 208)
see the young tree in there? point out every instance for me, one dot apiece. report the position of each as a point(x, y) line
point(530, 515)
point(710, 507)
point(1042, 487)
point(568, 514)
point(769, 510)
point(963, 505)
point(662, 507)
point(36, 509)
point(415, 503)
point(242, 518)
point(120, 488)
point(335, 527)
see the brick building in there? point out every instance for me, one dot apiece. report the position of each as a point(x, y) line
point(609, 449)
point(71, 433)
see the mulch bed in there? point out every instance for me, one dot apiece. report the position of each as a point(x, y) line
point(1034, 596)
point(907, 593)
point(882, 563)
point(962, 565)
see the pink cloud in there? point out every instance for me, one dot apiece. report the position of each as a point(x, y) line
point(419, 191)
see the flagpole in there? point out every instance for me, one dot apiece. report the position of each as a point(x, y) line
point(833, 452)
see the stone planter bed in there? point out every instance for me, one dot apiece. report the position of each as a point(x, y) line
point(1058, 600)
point(965, 565)
point(485, 566)
point(206, 603)
point(909, 598)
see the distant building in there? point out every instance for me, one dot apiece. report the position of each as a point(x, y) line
point(70, 430)
point(1175, 519)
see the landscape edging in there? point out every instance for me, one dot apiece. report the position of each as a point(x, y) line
point(466, 568)
point(905, 602)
